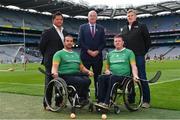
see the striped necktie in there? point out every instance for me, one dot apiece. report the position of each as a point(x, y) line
point(92, 30)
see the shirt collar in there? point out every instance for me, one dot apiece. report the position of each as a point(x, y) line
point(120, 50)
point(67, 50)
point(61, 29)
point(92, 24)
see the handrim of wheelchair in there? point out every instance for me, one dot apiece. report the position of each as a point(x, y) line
point(64, 93)
point(121, 93)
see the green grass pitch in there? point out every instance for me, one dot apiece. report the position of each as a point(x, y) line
point(164, 94)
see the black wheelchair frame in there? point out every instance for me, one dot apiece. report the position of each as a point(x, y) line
point(67, 92)
point(62, 93)
point(127, 88)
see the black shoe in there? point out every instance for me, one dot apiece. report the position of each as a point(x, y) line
point(46, 108)
point(102, 105)
point(58, 99)
point(84, 102)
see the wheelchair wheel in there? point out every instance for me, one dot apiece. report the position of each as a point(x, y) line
point(91, 107)
point(132, 95)
point(116, 109)
point(116, 93)
point(59, 94)
point(73, 96)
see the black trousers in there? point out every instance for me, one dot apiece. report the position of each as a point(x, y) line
point(48, 78)
point(97, 68)
point(106, 83)
point(81, 83)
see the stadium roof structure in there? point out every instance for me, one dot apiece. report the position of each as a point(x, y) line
point(66, 7)
point(72, 9)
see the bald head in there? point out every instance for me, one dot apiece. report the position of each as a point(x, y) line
point(92, 17)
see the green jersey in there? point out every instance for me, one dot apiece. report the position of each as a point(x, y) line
point(119, 61)
point(69, 62)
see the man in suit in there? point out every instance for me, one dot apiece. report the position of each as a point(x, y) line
point(137, 38)
point(92, 41)
point(51, 41)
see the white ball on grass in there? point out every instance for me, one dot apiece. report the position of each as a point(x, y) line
point(104, 116)
point(72, 116)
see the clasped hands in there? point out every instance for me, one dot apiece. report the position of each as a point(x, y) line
point(93, 53)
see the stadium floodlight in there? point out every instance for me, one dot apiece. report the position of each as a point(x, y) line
point(31, 10)
point(82, 17)
point(103, 17)
point(120, 17)
point(46, 13)
point(13, 7)
point(66, 16)
point(144, 15)
point(178, 11)
point(164, 13)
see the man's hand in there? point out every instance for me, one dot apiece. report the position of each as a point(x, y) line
point(90, 52)
point(55, 75)
point(93, 53)
point(90, 73)
point(136, 79)
point(107, 72)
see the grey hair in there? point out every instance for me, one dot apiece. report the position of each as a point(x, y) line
point(131, 10)
point(91, 12)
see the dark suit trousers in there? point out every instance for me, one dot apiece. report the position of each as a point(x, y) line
point(48, 78)
point(97, 68)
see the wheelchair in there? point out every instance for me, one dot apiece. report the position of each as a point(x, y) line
point(62, 93)
point(125, 92)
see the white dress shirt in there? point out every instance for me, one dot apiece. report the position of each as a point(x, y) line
point(91, 27)
point(60, 33)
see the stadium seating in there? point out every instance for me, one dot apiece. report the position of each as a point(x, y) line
point(35, 21)
point(168, 52)
point(161, 23)
point(40, 22)
point(8, 53)
point(174, 53)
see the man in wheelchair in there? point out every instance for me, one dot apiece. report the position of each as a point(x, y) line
point(120, 63)
point(67, 65)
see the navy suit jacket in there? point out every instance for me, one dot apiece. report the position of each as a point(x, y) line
point(88, 42)
point(50, 43)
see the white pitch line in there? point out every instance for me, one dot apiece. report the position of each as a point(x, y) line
point(21, 84)
point(39, 85)
point(172, 80)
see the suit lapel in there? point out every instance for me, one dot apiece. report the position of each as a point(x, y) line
point(57, 35)
point(88, 29)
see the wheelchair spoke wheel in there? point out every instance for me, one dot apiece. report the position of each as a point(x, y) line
point(91, 107)
point(73, 96)
point(132, 95)
point(58, 88)
point(116, 109)
point(116, 94)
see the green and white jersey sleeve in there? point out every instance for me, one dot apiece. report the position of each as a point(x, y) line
point(69, 62)
point(120, 61)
